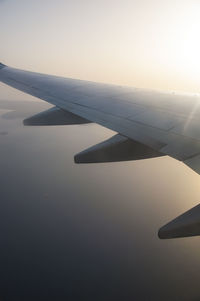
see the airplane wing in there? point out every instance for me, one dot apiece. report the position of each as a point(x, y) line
point(148, 123)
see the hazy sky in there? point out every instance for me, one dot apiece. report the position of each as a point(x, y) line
point(144, 43)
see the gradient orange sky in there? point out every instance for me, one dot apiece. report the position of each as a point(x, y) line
point(152, 44)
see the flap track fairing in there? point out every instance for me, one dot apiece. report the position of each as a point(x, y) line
point(185, 225)
point(55, 116)
point(117, 148)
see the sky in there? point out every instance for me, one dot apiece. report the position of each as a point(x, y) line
point(150, 44)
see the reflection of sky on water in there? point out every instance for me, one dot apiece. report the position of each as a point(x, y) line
point(88, 232)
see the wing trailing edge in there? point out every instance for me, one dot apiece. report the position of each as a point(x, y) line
point(117, 148)
point(55, 116)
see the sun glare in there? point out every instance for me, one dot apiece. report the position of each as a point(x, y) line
point(187, 43)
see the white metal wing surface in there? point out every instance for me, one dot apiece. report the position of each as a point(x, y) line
point(148, 123)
